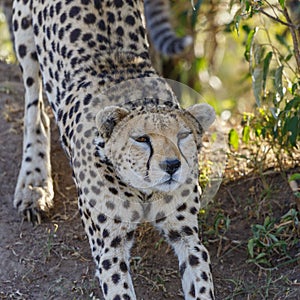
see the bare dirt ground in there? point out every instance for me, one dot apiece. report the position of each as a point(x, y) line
point(53, 261)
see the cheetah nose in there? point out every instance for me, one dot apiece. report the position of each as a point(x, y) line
point(170, 165)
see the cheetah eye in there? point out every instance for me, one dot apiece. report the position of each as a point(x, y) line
point(142, 139)
point(183, 135)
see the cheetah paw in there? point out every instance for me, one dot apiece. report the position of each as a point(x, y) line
point(32, 199)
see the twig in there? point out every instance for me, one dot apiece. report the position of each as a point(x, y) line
point(289, 24)
point(294, 37)
point(272, 8)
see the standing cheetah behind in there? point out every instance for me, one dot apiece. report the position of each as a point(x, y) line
point(133, 150)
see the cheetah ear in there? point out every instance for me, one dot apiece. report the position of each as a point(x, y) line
point(108, 118)
point(203, 113)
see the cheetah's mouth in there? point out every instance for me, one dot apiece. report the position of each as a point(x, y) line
point(171, 180)
point(168, 185)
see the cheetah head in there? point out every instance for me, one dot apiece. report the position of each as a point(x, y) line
point(154, 150)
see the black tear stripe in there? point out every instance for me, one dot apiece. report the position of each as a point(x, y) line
point(150, 156)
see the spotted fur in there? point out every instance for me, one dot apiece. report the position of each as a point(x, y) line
point(133, 150)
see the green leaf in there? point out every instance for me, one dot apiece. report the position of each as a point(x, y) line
point(278, 81)
point(292, 125)
point(294, 88)
point(248, 5)
point(250, 247)
point(249, 43)
point(267, 61)
point(234, 139)
point(236, 21)
point(288, 57)
point(259, 227)
point(282, 3)
point(295, 176)
point(257, 78)
point(258, 53)
point(274, 238)
point(260, 257)
point(294, 103)
point(246, 134)
point(267, 221)
point(258, 130)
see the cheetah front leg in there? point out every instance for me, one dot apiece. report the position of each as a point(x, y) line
point(181, 232)
point(111, 243)
point(34, 190)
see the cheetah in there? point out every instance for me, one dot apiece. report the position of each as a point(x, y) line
point(132, 148)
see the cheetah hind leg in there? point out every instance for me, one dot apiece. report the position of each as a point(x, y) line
point(34, 190)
